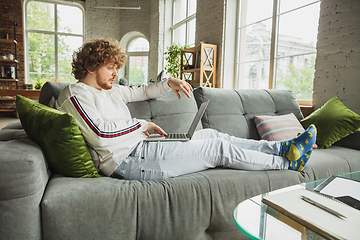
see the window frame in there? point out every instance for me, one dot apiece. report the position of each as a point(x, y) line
point(55, 33)
point(274, 42)
point(185, 21)
point(135, 54)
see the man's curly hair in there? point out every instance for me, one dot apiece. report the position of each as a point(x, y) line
point(95, 54)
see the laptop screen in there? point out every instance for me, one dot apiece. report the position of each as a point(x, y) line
point(197, 118)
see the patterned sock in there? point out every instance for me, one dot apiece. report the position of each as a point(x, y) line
point(295, 148)
point(300, 163)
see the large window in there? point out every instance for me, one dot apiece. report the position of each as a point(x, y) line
point(184, 22)
point(277, 45)
point(53, 31)
point(138, 52)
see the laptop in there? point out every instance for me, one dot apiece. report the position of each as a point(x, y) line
point(182, 136)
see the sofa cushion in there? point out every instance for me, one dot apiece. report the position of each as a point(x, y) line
point(233, 111)
point(333, 121)
point(23, 178)
point(59, 136)
point(332, 161)
point(178, 208)
point(278, 128)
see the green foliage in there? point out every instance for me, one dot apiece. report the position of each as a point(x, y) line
point(137, 76)
point(173, 57)
point(38, 84)
point(299, 80)
point(42, 46)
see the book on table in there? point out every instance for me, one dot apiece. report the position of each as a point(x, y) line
point(343, 189)
point(291, 204)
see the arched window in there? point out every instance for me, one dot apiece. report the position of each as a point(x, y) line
point(53, 30)
point(137, 70)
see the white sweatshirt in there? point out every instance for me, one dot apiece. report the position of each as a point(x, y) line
point(105, 120)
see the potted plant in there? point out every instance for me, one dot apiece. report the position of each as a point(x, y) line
point(38, 84)
point(173, 56)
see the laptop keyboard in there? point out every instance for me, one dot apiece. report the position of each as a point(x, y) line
point(176, 135)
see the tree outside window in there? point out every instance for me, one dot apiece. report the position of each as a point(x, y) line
point(277, 45)
point(138, 52)
point(53, 32)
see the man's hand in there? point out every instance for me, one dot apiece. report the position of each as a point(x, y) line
point(155, 128)
point(179, 85)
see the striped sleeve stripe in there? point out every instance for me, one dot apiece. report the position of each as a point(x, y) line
point(96, 129)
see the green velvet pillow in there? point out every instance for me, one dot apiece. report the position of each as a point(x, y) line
point(333, 121)
point(59, 136)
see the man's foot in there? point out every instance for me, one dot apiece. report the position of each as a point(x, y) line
point(295, 148)
point(300, 163)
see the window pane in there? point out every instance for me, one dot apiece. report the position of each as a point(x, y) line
point(179, 35)
point(254, 75)
point(255, 42)
point(40, 16)
point(179, 11)
point(296, 73)
point(66, 46)
point(70, 19)
point(286, 5)
point(192, 7)
point(41, 56)
point(298, 31)
point(138, 70)
point(191, 32)
point(253, 12)
point(139, 45)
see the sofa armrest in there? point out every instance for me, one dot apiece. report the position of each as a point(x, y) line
point(23, 178)
point(351, 141)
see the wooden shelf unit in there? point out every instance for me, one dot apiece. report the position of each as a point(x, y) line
point(9, 95)
point(8, 41)
point(32, 94)
point(10, 61)
point(198, 65)
point(13, 110)
point(7, 98)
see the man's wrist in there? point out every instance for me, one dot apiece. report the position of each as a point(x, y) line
point(166, 81)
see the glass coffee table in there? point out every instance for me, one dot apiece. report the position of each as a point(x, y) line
point(259, 221)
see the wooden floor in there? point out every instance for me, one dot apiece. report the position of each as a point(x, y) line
point(6, 120)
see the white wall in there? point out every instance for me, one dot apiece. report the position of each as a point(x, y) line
point(115, 24)
point(338, 54)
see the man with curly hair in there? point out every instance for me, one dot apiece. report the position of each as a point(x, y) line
point(106, 124)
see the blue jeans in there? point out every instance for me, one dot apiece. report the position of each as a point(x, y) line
point(207, 149)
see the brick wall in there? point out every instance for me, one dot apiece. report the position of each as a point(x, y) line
point(338, 54)
point(10, 12)
point(156, 38)
point(209, 27)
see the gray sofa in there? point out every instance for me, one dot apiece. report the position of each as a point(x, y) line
point(37, 203)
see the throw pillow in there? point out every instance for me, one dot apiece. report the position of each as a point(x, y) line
point(59, 136)
point(333, 121)
point(278, 128)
